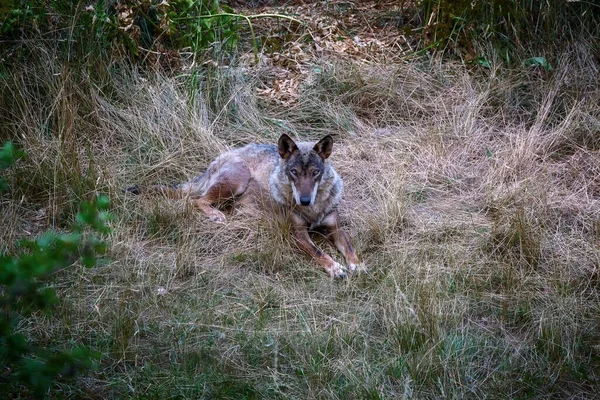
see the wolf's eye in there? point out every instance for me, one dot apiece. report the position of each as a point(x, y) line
point(293, 171)
point(316, 173)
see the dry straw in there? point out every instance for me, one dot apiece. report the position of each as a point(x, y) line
point(474, 200)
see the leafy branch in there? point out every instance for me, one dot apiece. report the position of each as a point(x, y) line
point(24, 292)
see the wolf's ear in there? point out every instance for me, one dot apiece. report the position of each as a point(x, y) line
point(324, 146)
point(286, 146)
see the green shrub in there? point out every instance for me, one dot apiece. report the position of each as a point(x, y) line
point(136, 28)
point(18, 17)
point(190, 25)
point(509, 26)
point(23, 292)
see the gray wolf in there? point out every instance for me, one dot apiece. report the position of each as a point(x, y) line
point(295, 177)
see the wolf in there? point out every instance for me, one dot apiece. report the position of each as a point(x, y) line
point(296, 178)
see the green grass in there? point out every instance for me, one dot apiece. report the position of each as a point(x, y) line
point(472, 198)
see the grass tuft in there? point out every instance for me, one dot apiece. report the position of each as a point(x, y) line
point(473, 197)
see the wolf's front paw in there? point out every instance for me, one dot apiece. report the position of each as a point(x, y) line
point(337, 270)
point(358, 267)
point(216, 216)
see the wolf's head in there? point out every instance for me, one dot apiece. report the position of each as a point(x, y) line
point(304, 166)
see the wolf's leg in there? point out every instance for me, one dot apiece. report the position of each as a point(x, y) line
point(231, 181)
point(334, 269)
point(341, 240)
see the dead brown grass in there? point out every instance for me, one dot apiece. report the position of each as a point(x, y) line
point(474, 200)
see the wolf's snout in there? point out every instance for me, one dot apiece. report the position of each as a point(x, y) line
point(305, 200)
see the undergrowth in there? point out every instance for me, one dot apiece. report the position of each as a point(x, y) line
point(472, 196)
point(30, 367)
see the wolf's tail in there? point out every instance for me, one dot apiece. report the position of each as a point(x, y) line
point(196, 186)
point(170, 191)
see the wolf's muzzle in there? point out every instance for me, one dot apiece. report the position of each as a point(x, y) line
point(305, 200)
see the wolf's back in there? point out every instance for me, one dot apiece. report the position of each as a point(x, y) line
point(259, 159)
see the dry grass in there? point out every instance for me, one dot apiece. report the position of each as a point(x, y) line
point(474, 200)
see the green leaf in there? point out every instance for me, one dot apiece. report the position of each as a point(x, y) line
point(539, 62)
point(81, 218)
point(100, 247)
point(482, 62)
point(17, 344)
point(46, 239)
point(48, 297)
point(205, 23)
point(103, 202)
point(8, 270)
point(89, 260)
point(8, 155)
point(85, 357)
point(69, 239)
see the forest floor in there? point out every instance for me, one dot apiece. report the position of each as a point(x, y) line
point(471, 194)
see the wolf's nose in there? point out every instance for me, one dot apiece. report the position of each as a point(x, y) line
point(304, 201)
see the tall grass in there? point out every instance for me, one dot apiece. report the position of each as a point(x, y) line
point(473, 197)
point(511, 30)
